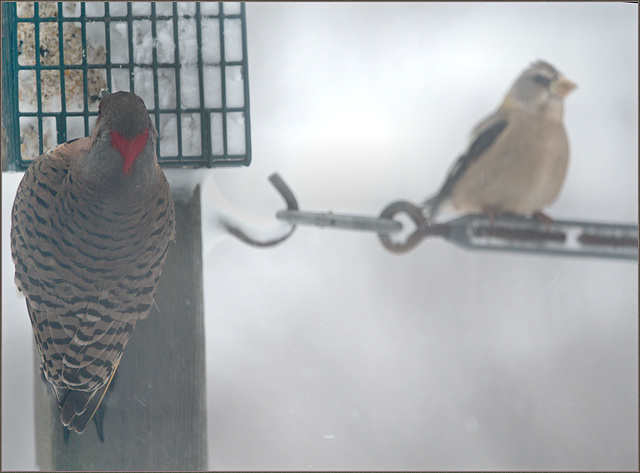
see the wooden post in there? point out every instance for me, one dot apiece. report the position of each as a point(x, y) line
point(155, 417)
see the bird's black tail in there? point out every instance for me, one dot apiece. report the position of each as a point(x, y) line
point(79, 407)
point(431, 206)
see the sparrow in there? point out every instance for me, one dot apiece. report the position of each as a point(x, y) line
point(517, 158)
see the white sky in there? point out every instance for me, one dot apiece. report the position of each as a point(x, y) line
point(327, 352)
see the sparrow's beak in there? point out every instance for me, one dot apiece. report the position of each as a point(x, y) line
point(562, 86)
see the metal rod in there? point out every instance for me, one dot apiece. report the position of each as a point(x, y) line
point(560, 237)
point(342, 221)
point(477, 231)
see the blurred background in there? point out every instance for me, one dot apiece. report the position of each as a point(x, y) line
point(328, 352)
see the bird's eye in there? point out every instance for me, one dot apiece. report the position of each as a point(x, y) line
point(542, 80)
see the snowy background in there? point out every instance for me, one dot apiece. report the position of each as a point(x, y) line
point(327, 352)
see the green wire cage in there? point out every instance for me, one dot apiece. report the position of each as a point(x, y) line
point(187, 60)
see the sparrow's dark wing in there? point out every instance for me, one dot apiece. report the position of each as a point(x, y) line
point(482, 142)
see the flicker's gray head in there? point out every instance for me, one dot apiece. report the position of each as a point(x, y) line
point(123, 144)
point(125, 126)
point(125, 114)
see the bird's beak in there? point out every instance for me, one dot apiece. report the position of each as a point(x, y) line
point(562, 86)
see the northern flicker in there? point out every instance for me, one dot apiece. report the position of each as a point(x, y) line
point(91, 226)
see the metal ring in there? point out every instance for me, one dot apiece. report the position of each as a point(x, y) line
point(415, 214)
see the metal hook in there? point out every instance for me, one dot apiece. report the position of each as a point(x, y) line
point(292, 204)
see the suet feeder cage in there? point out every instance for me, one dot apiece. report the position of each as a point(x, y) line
point(187, 60)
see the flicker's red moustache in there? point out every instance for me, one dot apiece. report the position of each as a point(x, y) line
point(129, 149)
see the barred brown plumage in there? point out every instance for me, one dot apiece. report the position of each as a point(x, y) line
point(91, 226)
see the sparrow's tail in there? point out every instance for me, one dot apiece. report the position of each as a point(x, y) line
point(431, 206)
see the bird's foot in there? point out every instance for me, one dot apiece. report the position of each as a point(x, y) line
point(492, 213)
point(543, 218)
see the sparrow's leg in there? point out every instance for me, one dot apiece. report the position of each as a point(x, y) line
point(491, 212)
point(543, 218)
